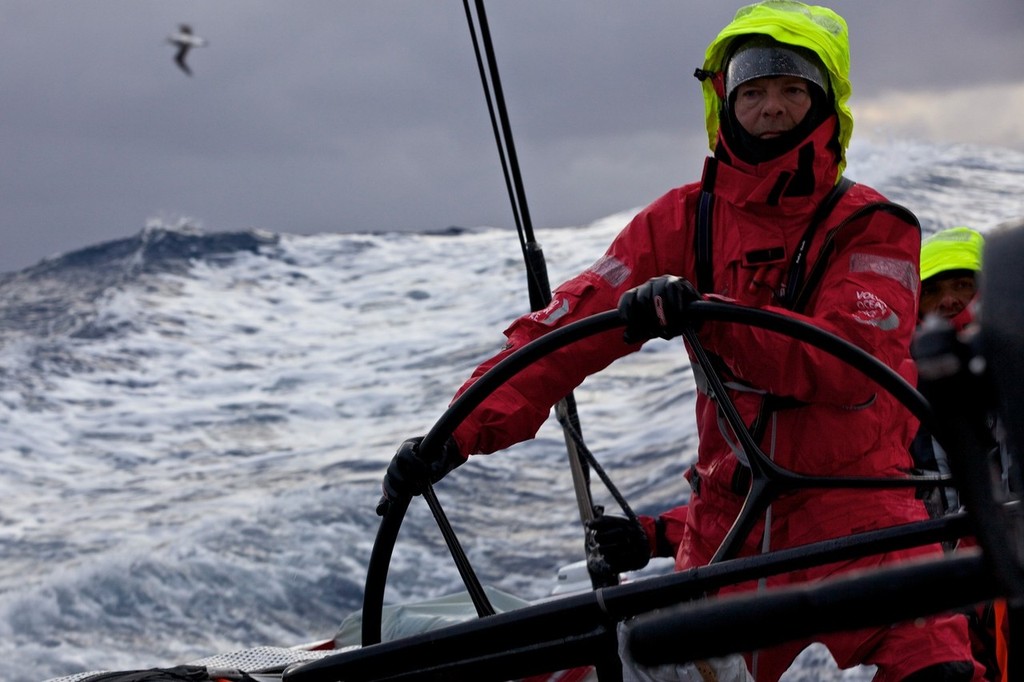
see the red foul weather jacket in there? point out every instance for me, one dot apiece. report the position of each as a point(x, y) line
point(844, 424)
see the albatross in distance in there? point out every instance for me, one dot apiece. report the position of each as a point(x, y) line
point(184, 40)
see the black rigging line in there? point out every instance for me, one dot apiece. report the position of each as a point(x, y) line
point(537, 277)
point(520, 227)
point(536, 271)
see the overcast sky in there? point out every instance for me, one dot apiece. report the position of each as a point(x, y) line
point(307, 116)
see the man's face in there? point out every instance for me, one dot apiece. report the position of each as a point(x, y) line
point(768, 107)
point(947, 296)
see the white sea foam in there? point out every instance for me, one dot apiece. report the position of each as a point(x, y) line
point(190, 459)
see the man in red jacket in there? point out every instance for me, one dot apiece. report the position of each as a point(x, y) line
point(776, 86)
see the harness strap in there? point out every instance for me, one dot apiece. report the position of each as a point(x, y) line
point(801, 296)
point(703, 237)
point(703, 246)
point(793, 291)
point(798, 265)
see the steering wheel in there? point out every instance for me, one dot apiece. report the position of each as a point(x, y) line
point(772, 477)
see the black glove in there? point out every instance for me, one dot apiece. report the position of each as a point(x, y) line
point(410, 468)
point(657, 307)
point(616, 544)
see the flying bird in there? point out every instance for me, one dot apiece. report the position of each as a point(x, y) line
point(184, 40)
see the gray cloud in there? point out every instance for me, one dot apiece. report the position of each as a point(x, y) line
point(331, 115)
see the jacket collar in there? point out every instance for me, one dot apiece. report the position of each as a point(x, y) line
point(795, 181)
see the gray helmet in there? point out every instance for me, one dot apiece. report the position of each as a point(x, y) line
point(763, 56)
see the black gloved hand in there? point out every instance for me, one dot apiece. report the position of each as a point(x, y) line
point(411, 468)
point(616, 544)
point(658, 307)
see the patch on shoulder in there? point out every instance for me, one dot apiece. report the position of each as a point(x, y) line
point(902, 271)
point(611, 270)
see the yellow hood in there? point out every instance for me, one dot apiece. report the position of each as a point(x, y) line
point(958, 248)
point(794, 23)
